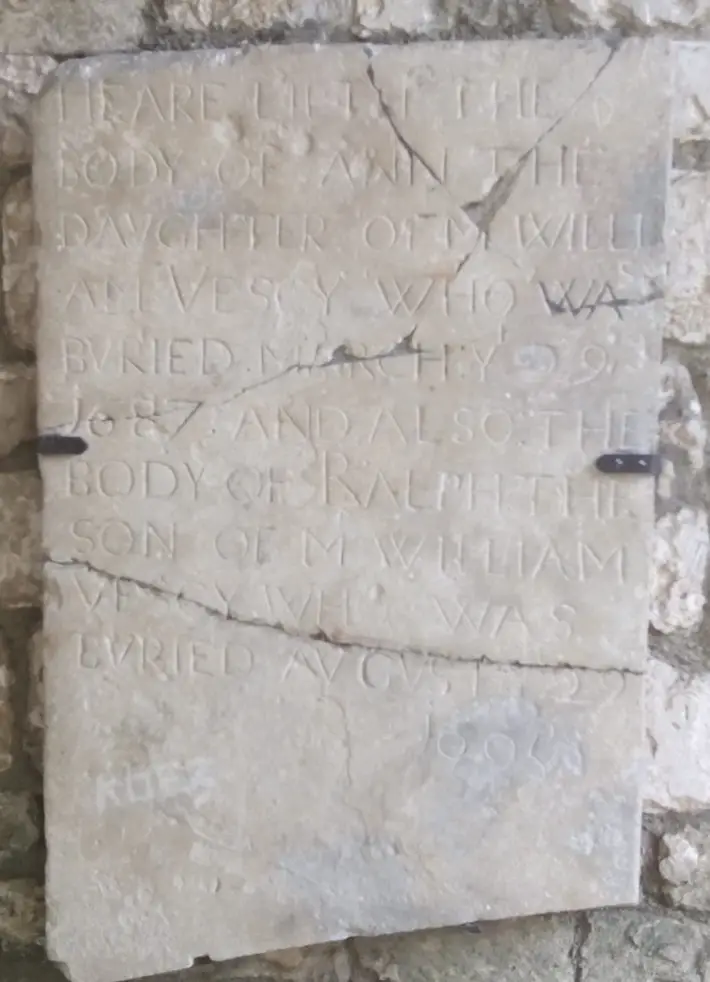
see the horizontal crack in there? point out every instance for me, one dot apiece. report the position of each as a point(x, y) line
point(318, 636)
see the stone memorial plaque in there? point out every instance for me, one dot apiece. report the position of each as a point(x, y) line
point(344, 628)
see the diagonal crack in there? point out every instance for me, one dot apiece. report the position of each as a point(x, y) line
point(483, 211)
point(341, 355)
point(389, 116)
point(414, 154)
point(228, 616)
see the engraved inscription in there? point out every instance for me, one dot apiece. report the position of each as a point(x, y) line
point(343, 616)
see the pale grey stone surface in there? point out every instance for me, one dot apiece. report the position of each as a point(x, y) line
point(678, 731)
point(685, 869)
point(682, 429)
point(320, 497)
point(359, 848)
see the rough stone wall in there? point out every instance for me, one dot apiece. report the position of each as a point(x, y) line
point(668, 938)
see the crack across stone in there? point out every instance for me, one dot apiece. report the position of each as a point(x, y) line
point(319, 636)
point(389, 116)
point(340, 355)
point(482, 213)
point(489, 206)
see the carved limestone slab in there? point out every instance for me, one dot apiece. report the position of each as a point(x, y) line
point(344, 627)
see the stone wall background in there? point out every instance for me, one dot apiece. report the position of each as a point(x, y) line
point(667, 939)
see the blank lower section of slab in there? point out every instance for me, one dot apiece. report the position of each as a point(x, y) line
point(235, 789)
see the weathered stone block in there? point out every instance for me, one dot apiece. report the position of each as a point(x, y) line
point(33, 738)
point(19, 271)
point(28, 965)
point(256, 15)
point(21, 77)
point(418, 17)
point(20, 569)
point(512, 951)
point(688, 223)
point(337, 539)
point(637, 945)
point(21, 912)
point(67, 27)
point(678, 728)
point(7, 716)
point(682, 428)
point(19, 828)
point(318, 963)
point(679, 556)
point(17, 406)
point(519, 17)
point(685, 869)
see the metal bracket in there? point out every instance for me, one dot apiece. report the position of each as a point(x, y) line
point(624, 462)
point(59, 445)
